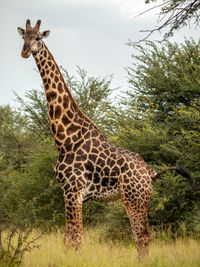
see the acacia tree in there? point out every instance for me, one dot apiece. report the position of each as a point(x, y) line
point(165, 77)
point(165, 95)
point(175, 14)
point(15, 140)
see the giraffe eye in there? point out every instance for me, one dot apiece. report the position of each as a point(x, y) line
point(37, 39)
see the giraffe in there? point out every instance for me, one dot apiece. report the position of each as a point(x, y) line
point(88, 166)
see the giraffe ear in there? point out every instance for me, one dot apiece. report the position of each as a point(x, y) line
point(21, 31)
point(45, 34)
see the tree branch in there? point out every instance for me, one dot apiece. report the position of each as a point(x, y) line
point(174, 14)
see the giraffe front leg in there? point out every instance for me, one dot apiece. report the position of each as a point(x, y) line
point(74, 226)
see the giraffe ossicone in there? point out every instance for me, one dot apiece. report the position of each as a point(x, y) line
point(89, 167)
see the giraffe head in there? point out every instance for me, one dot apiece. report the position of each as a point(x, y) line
point(32, 38)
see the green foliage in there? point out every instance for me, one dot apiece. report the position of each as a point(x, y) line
point(17, 223)
point(38, 183)
point(117, 224)
point(165, 77)
point(14, 143)
point(172, 201)
point(94, 213)
point(139, 134)
point(35, 110)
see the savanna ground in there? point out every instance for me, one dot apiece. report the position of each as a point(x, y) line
point(96, 252)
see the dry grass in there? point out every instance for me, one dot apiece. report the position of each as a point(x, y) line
point(182, 253)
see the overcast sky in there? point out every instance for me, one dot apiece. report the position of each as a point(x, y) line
point(89, 33)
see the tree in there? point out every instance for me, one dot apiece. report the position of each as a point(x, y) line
point(15, 140)
point(35, 109)
point(165, 95)
point(165, 77)
point(175, 14)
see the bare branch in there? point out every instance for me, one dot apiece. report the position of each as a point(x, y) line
point(146, 11)
point(174, 14)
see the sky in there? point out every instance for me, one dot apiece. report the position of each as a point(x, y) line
point(91, 34)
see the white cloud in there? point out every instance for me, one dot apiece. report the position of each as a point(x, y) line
point(82, 2)
point(130, 9)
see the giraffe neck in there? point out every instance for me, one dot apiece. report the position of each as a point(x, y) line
point(67, 121)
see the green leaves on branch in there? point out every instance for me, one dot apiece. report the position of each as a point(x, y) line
point(165, 76)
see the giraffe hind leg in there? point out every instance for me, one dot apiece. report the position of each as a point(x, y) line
point(136, 206)
point(141, 231)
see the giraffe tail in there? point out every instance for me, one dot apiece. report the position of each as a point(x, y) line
point(179, 170)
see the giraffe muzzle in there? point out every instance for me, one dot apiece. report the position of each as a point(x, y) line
point(26, 51)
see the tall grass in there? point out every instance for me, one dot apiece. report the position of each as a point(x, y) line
point(97, 253)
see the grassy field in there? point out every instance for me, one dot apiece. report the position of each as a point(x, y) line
point(51, 253)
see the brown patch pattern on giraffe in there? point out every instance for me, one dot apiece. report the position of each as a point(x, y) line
point(92, 166)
